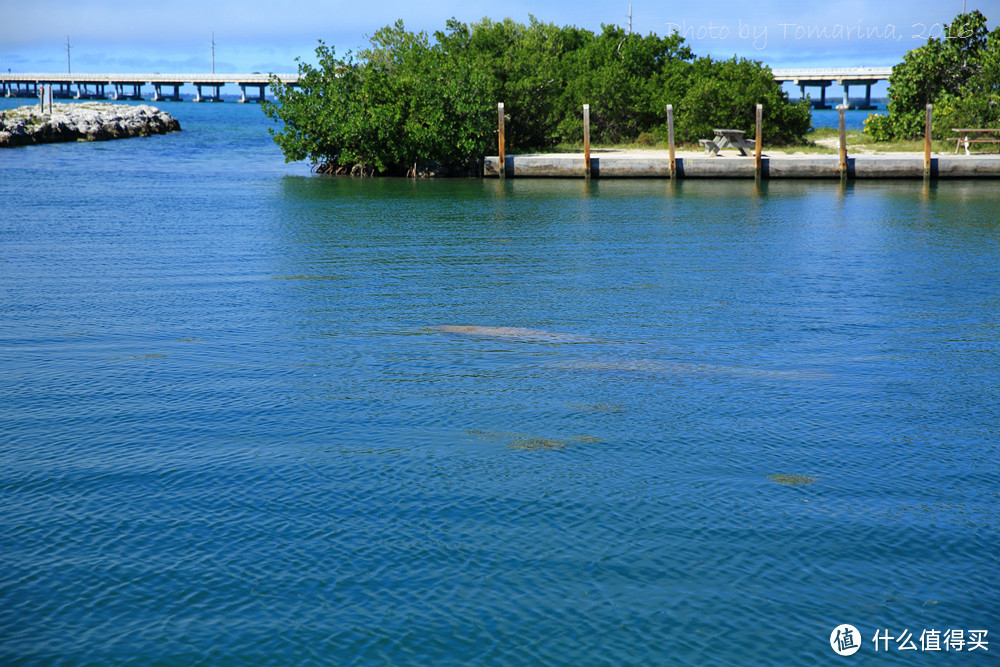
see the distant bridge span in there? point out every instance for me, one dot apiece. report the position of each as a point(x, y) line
point(845, 76)
point(92, 86)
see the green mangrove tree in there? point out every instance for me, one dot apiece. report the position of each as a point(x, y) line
point(409, 103)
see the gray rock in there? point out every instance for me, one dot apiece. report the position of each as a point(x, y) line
point(89, 121)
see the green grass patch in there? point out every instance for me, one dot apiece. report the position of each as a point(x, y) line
point(820, 141)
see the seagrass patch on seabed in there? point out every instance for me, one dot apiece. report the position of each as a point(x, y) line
point(151, 355)
point(657, 367)
point(607, 408)
point(306, 277)
point(530, 442)
point(792, 480)
point(512, 333)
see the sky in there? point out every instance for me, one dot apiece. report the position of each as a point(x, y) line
point(118, 36)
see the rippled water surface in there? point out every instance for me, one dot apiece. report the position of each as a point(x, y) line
point(253, 416)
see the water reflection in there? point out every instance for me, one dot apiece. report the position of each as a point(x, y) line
point(778, 406)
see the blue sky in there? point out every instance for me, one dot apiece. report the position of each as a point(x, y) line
point(267, 35)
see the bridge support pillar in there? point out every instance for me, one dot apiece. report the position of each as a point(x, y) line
point(215, 97)
point(260, 94)
point(867, 83)
point(158, 92)
point(120, 93)
point(19, 89)
point(816, 104)
point(83, 92)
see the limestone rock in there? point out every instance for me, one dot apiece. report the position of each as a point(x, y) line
point(89, 121)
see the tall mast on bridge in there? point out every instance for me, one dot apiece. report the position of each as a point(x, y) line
point(68, 69)
point(213, 52)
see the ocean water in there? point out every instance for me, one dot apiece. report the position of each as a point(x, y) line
point(854, 119)
point(244, 419)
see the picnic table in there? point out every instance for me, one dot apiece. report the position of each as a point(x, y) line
point(727, 139)
point(968, 136)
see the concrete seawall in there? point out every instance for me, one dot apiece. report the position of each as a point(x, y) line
point(656, 164)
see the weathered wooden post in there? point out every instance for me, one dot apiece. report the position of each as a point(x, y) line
point(843, 145)
point(500, 142)
point(757, 139)
point(586, 139)
point(670, 140)
point(927, 143)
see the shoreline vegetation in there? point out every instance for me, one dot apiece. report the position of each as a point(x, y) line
point(411, 105)
point(958, 74)
point(87, 121)
point(414, 105)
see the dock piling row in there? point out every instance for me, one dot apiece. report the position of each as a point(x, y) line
point(501, 141)
point(927, 142)
point(670, 141)
point(641, 164)
point(842, 142)
point(758, 140)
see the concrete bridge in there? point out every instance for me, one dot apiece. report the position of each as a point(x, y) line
point(845, 76)
point(129, 86)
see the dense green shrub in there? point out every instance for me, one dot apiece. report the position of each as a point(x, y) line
point(724, 94)
point(402, 105)
point(616, 75)
point(958, 73)
point(409, 104)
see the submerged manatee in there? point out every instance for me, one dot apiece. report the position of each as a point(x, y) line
point(671, 368)
point(628, 365)
point(513, 333)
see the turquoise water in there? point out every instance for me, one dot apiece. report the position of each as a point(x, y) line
point(233, 435)
point(854, 119)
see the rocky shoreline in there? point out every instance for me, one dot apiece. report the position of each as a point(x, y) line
point(89, 121)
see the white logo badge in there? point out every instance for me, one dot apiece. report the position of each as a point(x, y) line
point(845, 639)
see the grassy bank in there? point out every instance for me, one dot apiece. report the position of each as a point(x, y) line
point(821, 141)
point(826, 140)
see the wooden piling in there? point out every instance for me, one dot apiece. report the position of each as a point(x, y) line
point(586, 139)
point(758, 140)
point(843, 144)
point(927, 142)
point(670, 140)
point(500, 141)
